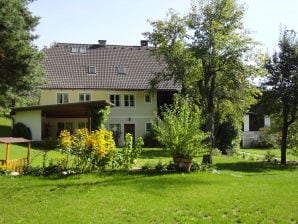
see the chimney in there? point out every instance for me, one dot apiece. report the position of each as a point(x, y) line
point(144, 43)
point(102, 43)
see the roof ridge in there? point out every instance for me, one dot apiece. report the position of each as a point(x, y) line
point(96, 44)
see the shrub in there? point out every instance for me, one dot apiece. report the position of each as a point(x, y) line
point(269, 156)
point(130, 152)
point(179, 129)
point(90, 150)
point(21, 130)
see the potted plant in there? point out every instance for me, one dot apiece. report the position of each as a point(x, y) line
point(179, 131)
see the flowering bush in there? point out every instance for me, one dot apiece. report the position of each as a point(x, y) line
point(90, 150)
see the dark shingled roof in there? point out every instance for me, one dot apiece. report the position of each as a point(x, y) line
point(68, 70)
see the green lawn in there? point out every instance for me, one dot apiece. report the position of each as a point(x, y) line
point(242, 192)
point(238, 191)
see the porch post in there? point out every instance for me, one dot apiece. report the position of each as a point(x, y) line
point(28, 152)
point(7, 151)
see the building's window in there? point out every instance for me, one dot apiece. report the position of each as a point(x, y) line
point(147, 98)
point(148, 128)
point(62, 126)
point(129, 100)
point(62, 98)
point(91, 70)
point(74, 50)
point(84, 97)
point(83, 50)
point(116, 129)
point(115, 99)
point(82, 124)
point(121, 70)
point(69, 127)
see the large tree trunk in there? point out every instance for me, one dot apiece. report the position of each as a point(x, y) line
point(284, 135)
point(283, 148)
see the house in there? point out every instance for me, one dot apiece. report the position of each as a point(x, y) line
point(254, 121)
point(82, 78)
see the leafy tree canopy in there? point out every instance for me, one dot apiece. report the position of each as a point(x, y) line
point(281, 85)
point(20, 72)
point(206, 51)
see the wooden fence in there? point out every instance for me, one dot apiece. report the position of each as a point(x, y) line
point(15, 165)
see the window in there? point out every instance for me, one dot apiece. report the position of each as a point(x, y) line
point(74, 50)
point(116, 129)
point(115, 99)
point(84, 97)
point(129, 100)
point(121, 70)
point(62, 98)
point(83, 50)
point(147, 98)
point(148, 128)
point(91, 70)
point(82, 124)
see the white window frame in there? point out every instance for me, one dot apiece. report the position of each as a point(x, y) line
point(115, 96)
point(84, 96)
point(130, 104)
point(150, 98)
point(64, 99)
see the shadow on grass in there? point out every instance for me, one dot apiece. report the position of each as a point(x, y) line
point(253, 167)
point(154, 153)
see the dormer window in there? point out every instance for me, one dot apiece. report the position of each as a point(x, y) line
point(74, 50)
point(83, 50)
point(121, 70)
point(91, 70)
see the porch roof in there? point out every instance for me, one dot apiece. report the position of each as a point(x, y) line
point(79, 109)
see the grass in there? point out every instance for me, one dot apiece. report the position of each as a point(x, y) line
point(263, 152)
point(242, 192)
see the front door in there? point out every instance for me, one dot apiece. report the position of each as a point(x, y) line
point(129, 128)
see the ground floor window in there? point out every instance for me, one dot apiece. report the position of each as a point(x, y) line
point(82, 124)
point(64, 125)
point(148, 128)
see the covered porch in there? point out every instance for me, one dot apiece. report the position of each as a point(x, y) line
point(49, 120)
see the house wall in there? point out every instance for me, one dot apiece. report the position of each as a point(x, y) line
point(138, 115)
point(31, 119)
point(250, 136)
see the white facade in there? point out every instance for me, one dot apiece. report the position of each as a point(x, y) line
point(31, 119)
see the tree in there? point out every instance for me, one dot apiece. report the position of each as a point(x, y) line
point(20, 71)
point(214, 49)
point(281, 85)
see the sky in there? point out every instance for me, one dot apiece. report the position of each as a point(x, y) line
point(122, 22)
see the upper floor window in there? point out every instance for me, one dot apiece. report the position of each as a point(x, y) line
point(147, 98)
point(129, 100)
point(81, 50)
point(62, 98)
point(91, 70)
point(84, 97)
point(115, 99)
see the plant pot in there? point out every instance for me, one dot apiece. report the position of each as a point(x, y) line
point(182, 164)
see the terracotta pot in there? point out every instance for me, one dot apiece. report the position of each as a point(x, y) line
point(182, 164)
